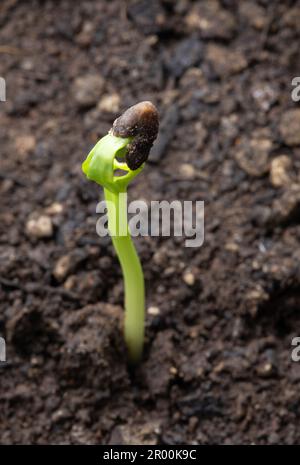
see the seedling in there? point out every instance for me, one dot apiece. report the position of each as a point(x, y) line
point(130, 140)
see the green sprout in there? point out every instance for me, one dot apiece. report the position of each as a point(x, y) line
point(130, 140)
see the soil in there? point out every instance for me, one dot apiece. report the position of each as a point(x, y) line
point(217, 367)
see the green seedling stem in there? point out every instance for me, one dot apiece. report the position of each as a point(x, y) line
point(100, 166)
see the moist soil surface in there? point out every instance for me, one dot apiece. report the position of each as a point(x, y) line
point(217, 365)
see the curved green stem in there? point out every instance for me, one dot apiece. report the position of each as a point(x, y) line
point(132, 273)
point(100, 166)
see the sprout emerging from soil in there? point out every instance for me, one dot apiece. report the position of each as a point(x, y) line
point(130, 139)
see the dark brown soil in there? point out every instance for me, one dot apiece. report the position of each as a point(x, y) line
point(217, 365)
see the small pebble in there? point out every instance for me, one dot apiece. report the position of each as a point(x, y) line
point(87, 90)
point(54, 209)
point(25, 145)
point(225, 61)
point(279, 172)
point(110, 103)
point(60, 415)
point(70, 283)
point(189, 278)
point(187, 171)
point(286, 207)
point(265, 370)
point(36, 360)
point(62, 267)
point(232, 247)
point(252, 155)
point(173, 371)
point(154, 311)
point(85, 37)
point(40, 227)
point(211, 20)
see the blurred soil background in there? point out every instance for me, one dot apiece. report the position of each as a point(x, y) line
point(220, 318)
